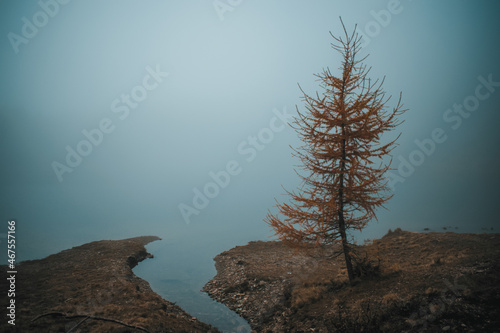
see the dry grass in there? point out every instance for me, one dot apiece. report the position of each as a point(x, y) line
point(94, 279)
point(411, 282)
point(307, 295)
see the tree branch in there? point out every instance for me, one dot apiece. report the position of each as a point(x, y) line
point(86, 317)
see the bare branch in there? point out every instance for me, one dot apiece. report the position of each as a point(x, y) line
point(86, 317)
point(343, 156)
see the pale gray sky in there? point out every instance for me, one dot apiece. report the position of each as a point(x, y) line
point(93, 64)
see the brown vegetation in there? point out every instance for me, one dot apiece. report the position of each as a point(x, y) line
point(93, 281)
point(343, 156)
point(414, 282)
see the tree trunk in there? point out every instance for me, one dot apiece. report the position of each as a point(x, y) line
point(345, 248)
point(345, 244)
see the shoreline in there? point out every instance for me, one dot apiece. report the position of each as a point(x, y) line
point(411, 282)
point(92, 287)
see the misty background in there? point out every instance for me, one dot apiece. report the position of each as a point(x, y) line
point(231, 66)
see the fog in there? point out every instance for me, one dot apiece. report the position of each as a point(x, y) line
point(115, 116)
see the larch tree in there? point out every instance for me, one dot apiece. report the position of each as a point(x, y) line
point(343, 155)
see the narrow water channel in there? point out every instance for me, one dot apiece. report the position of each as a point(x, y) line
point(178, 277)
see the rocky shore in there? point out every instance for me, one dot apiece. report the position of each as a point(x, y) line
point(409, 282)
point(91, 288)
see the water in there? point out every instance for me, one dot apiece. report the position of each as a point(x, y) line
point(178, 273)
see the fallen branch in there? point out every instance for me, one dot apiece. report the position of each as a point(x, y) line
point(79, 323)
point(86, 317)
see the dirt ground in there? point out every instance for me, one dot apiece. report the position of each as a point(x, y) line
point(409, 282)
point(77, 288)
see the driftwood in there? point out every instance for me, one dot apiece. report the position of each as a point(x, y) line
point(86, 317)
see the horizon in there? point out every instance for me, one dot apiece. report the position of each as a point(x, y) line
point(123, 119)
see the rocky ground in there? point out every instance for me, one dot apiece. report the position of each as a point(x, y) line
point(409, 282)
point(91, 288)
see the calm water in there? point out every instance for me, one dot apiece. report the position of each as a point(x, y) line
point(181, 268)
point(178, 273)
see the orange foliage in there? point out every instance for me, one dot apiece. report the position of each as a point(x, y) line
point(343, 155)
